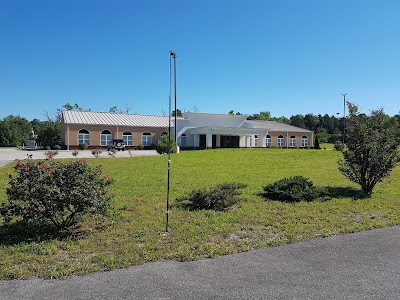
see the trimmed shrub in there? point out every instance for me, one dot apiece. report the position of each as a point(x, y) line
point(293, 189)
point(218, 198)
point(316, 143)
point(53, 193)
point(82, 146)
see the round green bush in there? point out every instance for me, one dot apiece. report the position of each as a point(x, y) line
point(293, 189)
point(219, 198)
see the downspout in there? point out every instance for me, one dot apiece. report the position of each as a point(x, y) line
point(67, 136)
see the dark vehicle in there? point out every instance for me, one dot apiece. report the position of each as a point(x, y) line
point(116, 144)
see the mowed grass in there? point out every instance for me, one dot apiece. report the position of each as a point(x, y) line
point(134, 233)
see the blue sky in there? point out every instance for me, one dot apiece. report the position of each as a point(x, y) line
point(286, 57)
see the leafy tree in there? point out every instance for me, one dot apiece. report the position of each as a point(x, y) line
point(263, 115)
point(68, 106)
point(322, 135)
point(49, 132)
point(232, 113)
point(178, 113)
point(282, 119)
point(14, 131)
point(311, 121)
point(371, 151)
point(298, 121)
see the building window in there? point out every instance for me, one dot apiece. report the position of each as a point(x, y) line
point(127, 137)
point(281, 142)
point(147, 139)
point(83, 137)
point(183, 140)
point(292, 141)
point(304, 141)
point(268, 141)
point(256, 141)
point(105, 138)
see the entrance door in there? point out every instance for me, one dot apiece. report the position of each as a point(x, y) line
point(229, 141)
point(203, 140)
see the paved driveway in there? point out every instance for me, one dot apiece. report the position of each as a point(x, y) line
point(363, 265)
point(8, 155)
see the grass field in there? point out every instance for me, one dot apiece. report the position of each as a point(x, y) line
point(135, 231)
point(326, 146)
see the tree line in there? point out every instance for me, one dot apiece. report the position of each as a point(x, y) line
point(15, 130)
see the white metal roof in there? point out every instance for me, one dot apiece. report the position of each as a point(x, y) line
point(227, 130)
point(273, 126)
point(117, 119)
point(201, 120)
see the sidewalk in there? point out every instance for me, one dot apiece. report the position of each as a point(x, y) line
point(8, 155)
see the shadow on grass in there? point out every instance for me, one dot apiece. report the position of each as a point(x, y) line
point(328, 193)
point(341, 192)
point(14, 234)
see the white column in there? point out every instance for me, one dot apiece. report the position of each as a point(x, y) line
point(209, 140)
point(242, 141)
point(196, 140)
point(218, 141)
point(248, 140)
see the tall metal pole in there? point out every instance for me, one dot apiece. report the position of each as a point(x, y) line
point(344, 116)
point(173, 55)
point(169, 148)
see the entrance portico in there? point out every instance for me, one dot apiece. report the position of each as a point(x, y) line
point(228, 137)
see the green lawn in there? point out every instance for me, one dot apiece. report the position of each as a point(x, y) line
point(326, 146)
point(135, 233)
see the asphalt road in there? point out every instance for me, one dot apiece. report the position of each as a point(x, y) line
point(363, 265)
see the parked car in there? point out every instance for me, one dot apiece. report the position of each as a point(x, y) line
point(116, 144)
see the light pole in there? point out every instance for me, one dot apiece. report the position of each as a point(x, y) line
point(173, 55)
point(344, 116)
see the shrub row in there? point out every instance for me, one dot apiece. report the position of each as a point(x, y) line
point(221, 197)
